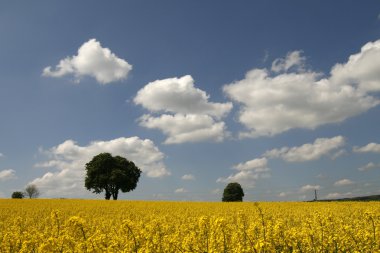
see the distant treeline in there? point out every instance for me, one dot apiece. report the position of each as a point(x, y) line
point(363, 198)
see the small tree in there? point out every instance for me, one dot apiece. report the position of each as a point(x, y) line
point(17, 195)
point(233, 193)
point(32, 191)
point(111, 174)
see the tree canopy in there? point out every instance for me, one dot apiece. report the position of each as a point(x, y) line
point(111, 174)
point(17, 195)
point(233, 193)
point(32, 191)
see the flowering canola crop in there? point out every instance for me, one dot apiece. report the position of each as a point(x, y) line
point(138, 226)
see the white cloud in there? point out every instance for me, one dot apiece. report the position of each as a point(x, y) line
point(69, 159)
point(369, 148)
point(186, 128)
point(92, 60)
point(338, 154)
point(180, 190)
point(1, 155)
point(7, 174)
point(343, 182)
point(321, 176)
point(369, 166)
point(248, 173)
point(308, 151)
point(361, 69)
point(283, 194)
point(188, 115)
point(271, 105)
point(309, 187)
point(337, 195)
point(188, 177)
point(178, 95)
point(292, 60)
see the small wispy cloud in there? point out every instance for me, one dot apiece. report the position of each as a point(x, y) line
point(309, 187)
point(7, 174)
point(181, 190)
point(188, 177)
point(344, 182)
point(337, 195)
point(369, 166)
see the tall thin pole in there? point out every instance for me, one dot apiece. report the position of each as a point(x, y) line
point(315, 195)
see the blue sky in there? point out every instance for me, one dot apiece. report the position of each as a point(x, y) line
point(281, 96)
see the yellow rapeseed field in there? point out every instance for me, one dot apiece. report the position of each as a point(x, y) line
point(143, 226)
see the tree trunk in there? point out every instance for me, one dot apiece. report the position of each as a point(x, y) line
point(108, 195)
point(114, 194)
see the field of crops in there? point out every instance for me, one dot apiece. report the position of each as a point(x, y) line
point(137, 226)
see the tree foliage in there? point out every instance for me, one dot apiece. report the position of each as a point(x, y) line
point(111, 174)
point(17, 195)
point(32, 191)
point(233, 193)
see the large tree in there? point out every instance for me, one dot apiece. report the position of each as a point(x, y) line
point(111, 174)
point(233, 193)
point(32, 191)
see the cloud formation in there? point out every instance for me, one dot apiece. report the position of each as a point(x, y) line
point(69, 159)
point(188, 177)
point(179, 95)
point(92, 60)
point(271, 104)
point(369, 166)
point(7, 174)
point(337, 195)
point(248, 172)
point(292, 60)
point(181, 190)
point(369, 148)
point(309, 187)
point(182, 128)
point(343, 182)
point(308, 151)
point(187, 114)
point(361, 70)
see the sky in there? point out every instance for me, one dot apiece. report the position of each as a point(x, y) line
point(279, 96)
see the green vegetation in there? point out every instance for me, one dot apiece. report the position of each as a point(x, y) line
point(111, 174)
point(233, 193)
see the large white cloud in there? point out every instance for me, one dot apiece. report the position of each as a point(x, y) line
point(7, 174)
point(92, 60)
point(185, 112)
point(248, 172)
point(361, 69)
point(69, 159)
point(178, 95)
point(308, 151)
point(186, 128)
point(272, 104)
